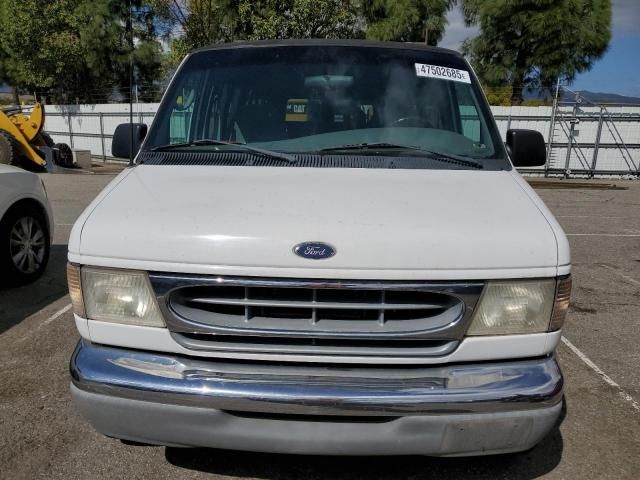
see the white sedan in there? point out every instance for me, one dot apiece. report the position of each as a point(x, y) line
point(26, 225)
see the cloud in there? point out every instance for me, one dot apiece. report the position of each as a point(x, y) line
point(456, 31)
point(625, 16)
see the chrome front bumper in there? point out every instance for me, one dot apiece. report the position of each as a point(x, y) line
point(439, 410)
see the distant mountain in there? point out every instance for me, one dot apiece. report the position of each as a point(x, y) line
point(599, 97)
point(588, 97)
point(5, 88)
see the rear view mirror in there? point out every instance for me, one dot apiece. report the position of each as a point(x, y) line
point(121, 146)
point(527, 148)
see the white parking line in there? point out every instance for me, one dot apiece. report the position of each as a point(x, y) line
point(626, 277)
point(610, 381)
point(603, 234)
point(59, 313)
point(591, 216)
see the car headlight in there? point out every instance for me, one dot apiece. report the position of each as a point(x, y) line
point(522, 306)
point(117, 296)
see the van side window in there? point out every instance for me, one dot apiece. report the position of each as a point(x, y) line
point(469, 116)
point(182, 111)
point(180, 120)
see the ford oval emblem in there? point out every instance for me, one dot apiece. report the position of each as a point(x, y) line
point(314, 250)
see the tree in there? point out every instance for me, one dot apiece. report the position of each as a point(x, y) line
point(533, 43)
point(195, 23)
point(499, 96)
point(74, 49)
point(264, 19)
point(106, 36)
point(406, 20)
point(198, 23)
point(3, 75)
point(190, 24)
point(38, 47)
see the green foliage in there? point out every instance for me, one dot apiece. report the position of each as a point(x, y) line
point(178, 49)
point(74, 49)
point(190, 24)
point(533, 43)
point(264, 19)
point(406, 20)
point(199, 22)
point(499, 96)
point(503, 97)
point(205, 22)
point(39, 43)
point(537, 102)
point(106, 41)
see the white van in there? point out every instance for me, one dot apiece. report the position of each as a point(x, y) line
point(323, 247)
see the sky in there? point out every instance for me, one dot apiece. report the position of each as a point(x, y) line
point(617, 71)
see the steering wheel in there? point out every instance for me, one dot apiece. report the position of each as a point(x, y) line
point(410, 121)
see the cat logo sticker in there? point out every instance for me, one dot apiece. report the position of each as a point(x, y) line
point(297, 110)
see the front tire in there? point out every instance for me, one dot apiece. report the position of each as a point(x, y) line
point(24, 245)
point(46, 139)
point(9, 153)
point(65, 155)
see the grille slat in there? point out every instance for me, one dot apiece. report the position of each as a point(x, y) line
point(247, 307)
point(381, 318)
point(314, 311)
point(297, 346)
point(363, 318)
point(316, 305)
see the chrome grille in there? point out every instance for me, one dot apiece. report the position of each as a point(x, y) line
point(326, 312)
point(323, 317)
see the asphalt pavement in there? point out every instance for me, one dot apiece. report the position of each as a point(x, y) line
point(41, 435)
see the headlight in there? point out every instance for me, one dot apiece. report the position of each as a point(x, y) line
point(524, 306)
point(117, 296)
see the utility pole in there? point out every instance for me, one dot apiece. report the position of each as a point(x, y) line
point(130, 28)
point(426, 30)
point(16, 96)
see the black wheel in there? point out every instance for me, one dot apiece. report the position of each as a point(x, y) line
point(24, 245)
point(64, 157)
point(9, 153)
point(46, 139)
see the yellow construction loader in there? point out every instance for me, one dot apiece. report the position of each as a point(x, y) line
point(24, 144)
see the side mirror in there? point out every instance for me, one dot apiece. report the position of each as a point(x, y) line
point(121, 143)
point(527, 148)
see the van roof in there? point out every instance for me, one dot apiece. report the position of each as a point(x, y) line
point(327, 42)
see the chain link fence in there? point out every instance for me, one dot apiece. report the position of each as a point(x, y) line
point(583, 139)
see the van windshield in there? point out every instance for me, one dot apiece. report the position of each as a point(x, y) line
point(316, 99)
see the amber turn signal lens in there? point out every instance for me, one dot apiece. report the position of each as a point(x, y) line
point(75, 289)
point(561, 304)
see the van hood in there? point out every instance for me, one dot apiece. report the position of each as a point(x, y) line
point(404, 224)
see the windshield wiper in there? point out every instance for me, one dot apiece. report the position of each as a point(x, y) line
point(438, 156)
point(211, 141)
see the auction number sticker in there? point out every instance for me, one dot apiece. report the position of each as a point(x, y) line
point(436, 71)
